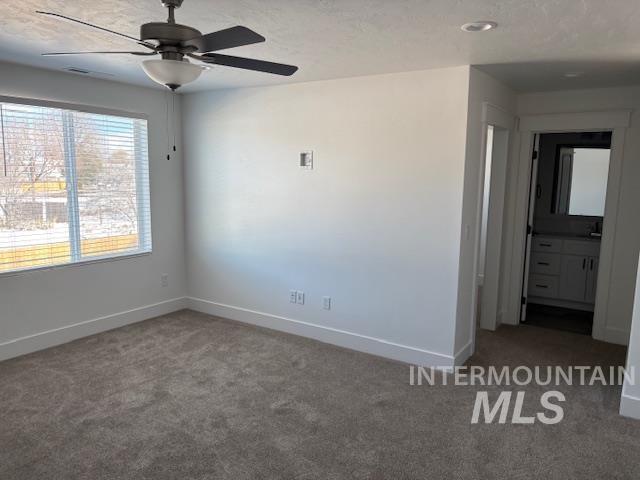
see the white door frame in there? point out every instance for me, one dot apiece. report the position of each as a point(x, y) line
point(531, 207)
point(503, 124)
point(615, 121)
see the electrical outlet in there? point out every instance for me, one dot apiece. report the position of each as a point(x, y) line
point(300, 297)
point(326, 303)
point(293, 296)
point(164, 279)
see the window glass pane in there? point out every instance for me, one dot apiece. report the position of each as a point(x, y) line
point(589, 181)
point(107, 194)
point(33, 191)
point(74, 186)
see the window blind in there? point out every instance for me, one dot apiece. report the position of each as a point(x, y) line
point(74, 186)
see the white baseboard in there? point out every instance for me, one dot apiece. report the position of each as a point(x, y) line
point(616, 335)
point(341, 338)
point(630, 406)
point(58, 336)
point(464, 353)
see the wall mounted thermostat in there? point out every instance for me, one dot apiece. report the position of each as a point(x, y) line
point(306, 160)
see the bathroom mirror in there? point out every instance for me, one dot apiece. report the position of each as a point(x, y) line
point(580, 186)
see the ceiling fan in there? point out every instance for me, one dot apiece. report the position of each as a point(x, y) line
point(177, 43)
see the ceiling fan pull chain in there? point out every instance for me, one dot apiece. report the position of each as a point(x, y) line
point(173, 108)
point(167, 125)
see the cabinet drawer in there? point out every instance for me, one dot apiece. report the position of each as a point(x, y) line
point(545, 263)
point(543, 286)
point(552, 245)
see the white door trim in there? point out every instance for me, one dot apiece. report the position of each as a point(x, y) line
point(500, 119)
point(496, 116)
point(558, 122)
point(615, 121)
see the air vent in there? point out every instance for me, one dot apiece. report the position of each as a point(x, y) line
point(77, 70)
point(82, 71)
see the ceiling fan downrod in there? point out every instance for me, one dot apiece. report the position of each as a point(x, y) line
point(171, 6)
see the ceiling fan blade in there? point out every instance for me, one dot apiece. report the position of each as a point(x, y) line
point(248, 64)
point(228, 38)
point(91, 25)
point(52, 54)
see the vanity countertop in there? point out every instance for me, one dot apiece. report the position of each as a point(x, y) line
point(569, 236)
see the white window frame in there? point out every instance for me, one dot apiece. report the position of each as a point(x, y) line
point(144, 230)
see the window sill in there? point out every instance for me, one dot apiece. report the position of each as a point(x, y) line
point(90, 261)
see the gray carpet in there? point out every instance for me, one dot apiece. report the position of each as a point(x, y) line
point(187, 396)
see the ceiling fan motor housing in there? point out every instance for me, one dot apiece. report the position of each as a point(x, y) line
point(168, 33)
point(172, 3)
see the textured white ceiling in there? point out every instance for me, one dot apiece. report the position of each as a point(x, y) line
point(344, 38)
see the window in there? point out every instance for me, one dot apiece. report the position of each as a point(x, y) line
point(74, 186)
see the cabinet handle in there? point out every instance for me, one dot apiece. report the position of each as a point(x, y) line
point(584, 263)
point(546, 264)
point(591, 267)
point(542, 286)
point(545, 244)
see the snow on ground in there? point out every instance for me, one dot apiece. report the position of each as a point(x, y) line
point(59, 232)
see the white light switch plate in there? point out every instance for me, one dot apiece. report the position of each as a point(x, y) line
point(306, 160)
point(326, 303)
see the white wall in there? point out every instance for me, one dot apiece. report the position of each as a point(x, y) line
point(627, 236)
point(630, 402)
point(375, 225)
point(482, 88)
point(33, 303)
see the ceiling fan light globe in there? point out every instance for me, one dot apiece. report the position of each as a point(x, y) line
point(171, 73)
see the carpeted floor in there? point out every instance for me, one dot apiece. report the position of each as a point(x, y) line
point(187, 396)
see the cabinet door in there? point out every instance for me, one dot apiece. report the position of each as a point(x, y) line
point(573, 278)
point(592, 280)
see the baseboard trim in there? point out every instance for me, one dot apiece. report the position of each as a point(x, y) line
point(630, 406)
point(58, 336)
point(341, 338)
point(464, 353)
point(616, 335)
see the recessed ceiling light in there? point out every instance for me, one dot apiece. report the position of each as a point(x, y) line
point(573, 74)
point(479, 26)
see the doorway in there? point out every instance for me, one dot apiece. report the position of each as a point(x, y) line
point(568, 190)
point(518, 233)
point(495, 167)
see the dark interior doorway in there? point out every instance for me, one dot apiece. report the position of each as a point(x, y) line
point(568, 199)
